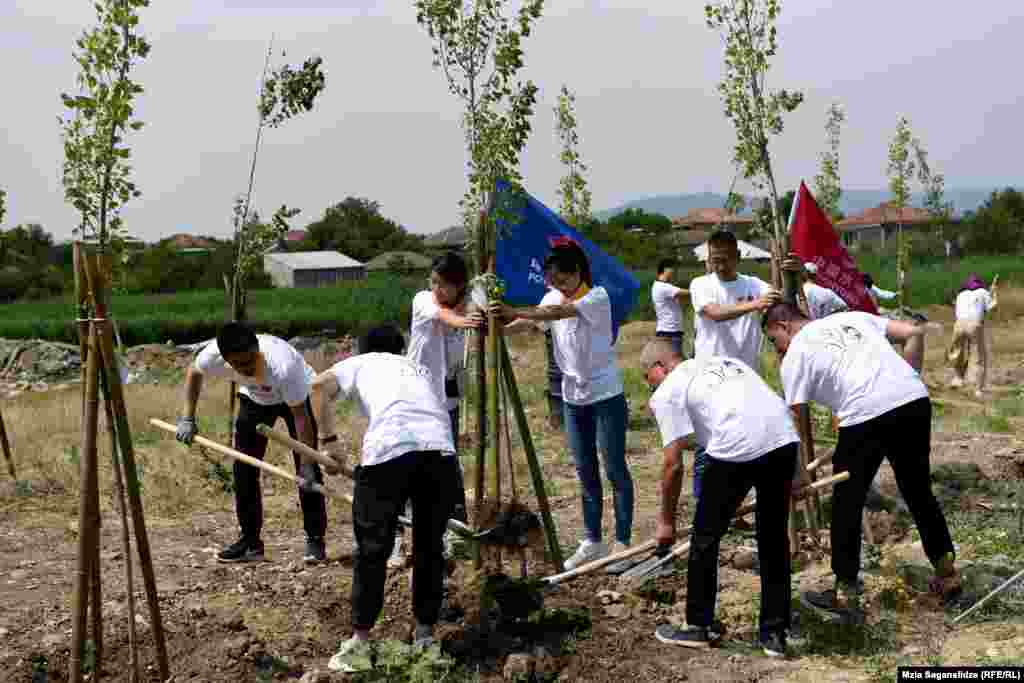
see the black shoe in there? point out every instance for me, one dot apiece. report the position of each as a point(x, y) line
point(834, 606)
point(774, 645)
point(315, 551)
point(690, 636)
point(242, 550)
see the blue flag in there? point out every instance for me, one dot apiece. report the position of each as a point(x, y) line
point(523, 246)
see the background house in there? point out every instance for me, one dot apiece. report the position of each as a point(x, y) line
point(713, 219)
point(311, 268)
point(875, 227)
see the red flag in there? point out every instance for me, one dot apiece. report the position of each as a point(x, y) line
point(814, 240)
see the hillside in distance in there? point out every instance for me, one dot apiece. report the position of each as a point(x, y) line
point(852, 201)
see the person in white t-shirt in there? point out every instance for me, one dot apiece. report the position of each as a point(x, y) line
point(668, 305)
point(592, 391)
point(821, 301)
point(845, 362)
point(973, 304)
point(876, 293)
point(408, 454)
point(724, 406)
point(437, 340)
point(724, 305)
point(274, 381)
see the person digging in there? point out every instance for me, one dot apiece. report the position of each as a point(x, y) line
point(408, 453)
point(723, 406)
point(274, 382)
point(845, 362)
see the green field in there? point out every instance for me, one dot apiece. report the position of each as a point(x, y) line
point(350, 308)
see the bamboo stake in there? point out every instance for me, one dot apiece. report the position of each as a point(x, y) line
point(94, 272)
point(86, 523)
point(536, 473)
point(7, 448)
point(122, 509)
point(819, 461)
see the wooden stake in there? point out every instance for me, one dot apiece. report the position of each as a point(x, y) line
point(87, 524)
point(536, 473)
point(7, 448)
point(126, 543)
point(94, 271)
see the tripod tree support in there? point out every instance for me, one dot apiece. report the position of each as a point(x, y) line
point(536, 474)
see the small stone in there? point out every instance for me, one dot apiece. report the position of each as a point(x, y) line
point(518, 665)
point(617, 611)
point(236, 647)
point(608, 597)
point(315, 676)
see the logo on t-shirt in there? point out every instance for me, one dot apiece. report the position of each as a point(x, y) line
point(841, 339)
point(721, 371)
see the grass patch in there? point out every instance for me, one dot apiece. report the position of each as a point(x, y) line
point(822, 638)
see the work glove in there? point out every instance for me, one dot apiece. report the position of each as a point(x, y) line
point(308, 474)
point(187, 430)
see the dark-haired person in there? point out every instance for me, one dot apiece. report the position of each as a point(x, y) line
point(723, 405)
point(437, 340)
point(668, 305)
point(407, 455)
point(580, 315)
point(821, 301)
point(724, 303)
point(845, 362)
point(875, 292)
point(274, 381)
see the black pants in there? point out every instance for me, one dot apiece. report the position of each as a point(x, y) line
point(726, 484)
point(248, 496)
point(381, 492)
point(903, 436)
point(674, 338)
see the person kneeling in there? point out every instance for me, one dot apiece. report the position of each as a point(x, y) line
point(407, 454)
point(750, 442)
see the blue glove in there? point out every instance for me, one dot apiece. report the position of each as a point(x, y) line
point(187, 430)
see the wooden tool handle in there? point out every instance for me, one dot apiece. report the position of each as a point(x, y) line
point(304, 450)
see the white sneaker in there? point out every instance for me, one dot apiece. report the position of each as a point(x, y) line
point(397, 559)
point(351, 657)
point(587, 552)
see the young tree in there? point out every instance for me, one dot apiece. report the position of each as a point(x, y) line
point(573, 187)
point(749, 33)
point(285, 93)
point(3, 206)
point(97, 174)
point(934, 187)
point(479, 49)
point(827, 187)
point(901, 172)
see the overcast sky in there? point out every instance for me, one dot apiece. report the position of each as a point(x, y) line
point(386, 128)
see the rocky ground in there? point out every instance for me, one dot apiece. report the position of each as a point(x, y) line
point(281, 620)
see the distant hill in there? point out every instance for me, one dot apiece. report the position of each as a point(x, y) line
point(852, 201)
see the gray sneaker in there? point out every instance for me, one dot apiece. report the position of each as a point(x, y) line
point(242, 550)
point(315, 551)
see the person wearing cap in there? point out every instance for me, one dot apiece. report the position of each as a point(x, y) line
point(408, 454)
point(973, 304)
point(724, 406)
point(821, 301)
point(845, 361)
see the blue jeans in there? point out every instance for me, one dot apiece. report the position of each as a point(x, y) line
point(583, 424)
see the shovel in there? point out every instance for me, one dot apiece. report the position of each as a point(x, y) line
point(656, 566)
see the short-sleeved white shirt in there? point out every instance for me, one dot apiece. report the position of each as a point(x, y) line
point(288, 375)
point(666, 307)
point(737, 338)
point(844, 361)
point(427, 339)
point(822, 301)
point(728, 408)
point(583, 348)
point(400, 400)
point(973, 304)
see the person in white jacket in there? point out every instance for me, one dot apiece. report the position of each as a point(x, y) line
point(973, 304)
